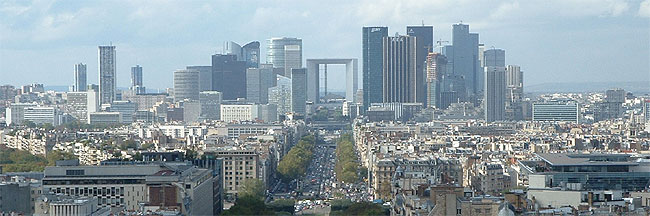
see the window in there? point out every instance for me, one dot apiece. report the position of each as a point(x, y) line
point(74, 172)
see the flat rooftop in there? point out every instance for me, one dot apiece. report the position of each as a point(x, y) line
point(560, 159)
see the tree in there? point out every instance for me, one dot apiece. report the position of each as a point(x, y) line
point(254, 188)
point(191, 154)
point(346, 166)
point(346, 207)
point(29, 124)
point(282, 205)
point(293, 165)
point(129, 144)
point(247, 205)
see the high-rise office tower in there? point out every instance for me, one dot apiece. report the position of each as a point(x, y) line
point(514, 83)
point(646, 111)
point(399, 62)
point(107, 74)
point(612, 107)
point(232, 48)
point(495, 94)
point(280, 94)
point(481, 57)
point(251, 54)
point(284, 53)
point(186, 85)
point(465, 58)
point(299, 90)
point(205, 77)
point(136, 80)
point(514, 93)
point(80, 77)
point(424, 44)
point(494, 58)
point(436, 64)
point(258, 82)
point(373, 76)
point(210, 102)
point(229, 76)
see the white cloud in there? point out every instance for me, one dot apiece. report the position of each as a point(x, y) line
point(644, 8)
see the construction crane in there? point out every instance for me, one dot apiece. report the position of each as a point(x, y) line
point(439, 43)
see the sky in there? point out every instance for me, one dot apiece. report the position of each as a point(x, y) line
point(552, 40)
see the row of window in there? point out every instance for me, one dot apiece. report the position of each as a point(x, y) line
point(94, 191)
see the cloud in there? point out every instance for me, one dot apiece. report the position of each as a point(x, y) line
point(644, 8)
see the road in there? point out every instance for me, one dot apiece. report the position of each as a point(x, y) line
point(320, 183)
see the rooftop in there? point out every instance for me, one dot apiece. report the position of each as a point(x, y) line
point(585, 159)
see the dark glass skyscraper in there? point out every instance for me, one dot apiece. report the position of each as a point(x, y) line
point(229, 76)
point(423, 45)
point(136, 80)
point(251, 54)
point(465, 58)
point(372, 49)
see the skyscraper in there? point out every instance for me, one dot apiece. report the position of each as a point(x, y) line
point(205, 77)
point(229, 76)
point(285, 53)
point(372, 50)
point(136, 80)
point(80, 77)
point(495, 94)
point(251, 54)
point(280, 94)
point(514, 83)
point(258, 82)
point(435, 68)
point(399, 62)
point(107, 75)
point(232, 48)
point(494, 58)
point(465, 58)
point(299, 90)
point(424, 44)
point(186, 85)
point(210, 102)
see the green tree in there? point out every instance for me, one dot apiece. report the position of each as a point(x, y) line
point(365, 208)
point(191, 154)
point(254, 188)
point(248, 205)
point(29, 124)
point(347, 166)
point(293, 165)
point(282, 205)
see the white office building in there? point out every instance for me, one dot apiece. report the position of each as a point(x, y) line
point(556, 111)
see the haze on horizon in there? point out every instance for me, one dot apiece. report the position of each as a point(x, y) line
point(552, 41)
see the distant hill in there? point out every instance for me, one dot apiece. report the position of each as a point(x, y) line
point(636, 87)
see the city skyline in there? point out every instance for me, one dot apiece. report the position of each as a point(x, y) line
point(41, 32)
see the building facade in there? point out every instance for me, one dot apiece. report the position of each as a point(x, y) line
point(556, 111)
point(80, 77)
point(299, 90)
point(495, 93)
point(399, 69)
point(136, 80)
point(424, 44)
point(372, 51)
point(229, 76)
point(107, 74)
point(284, 53)
point(186, 85)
